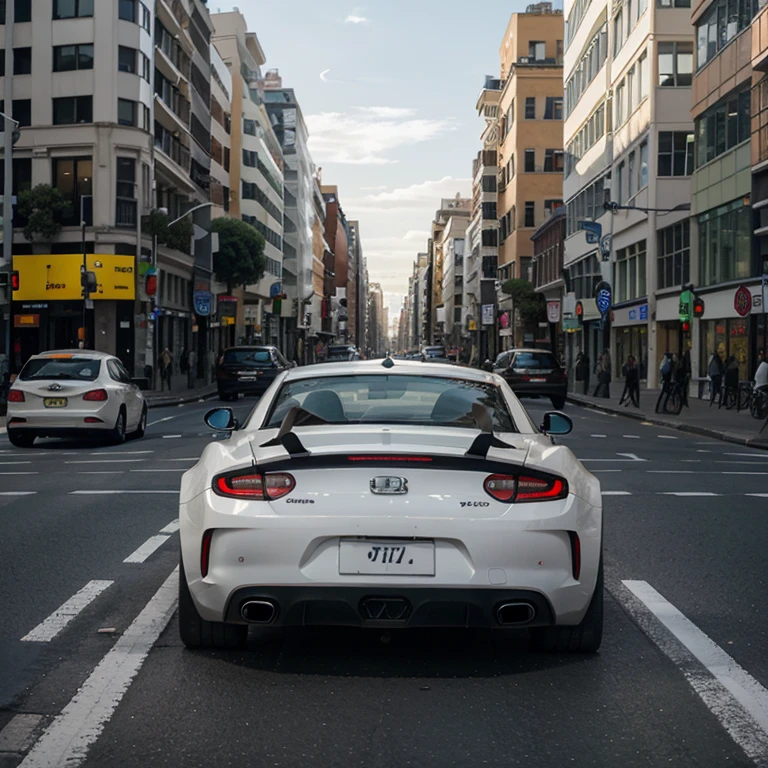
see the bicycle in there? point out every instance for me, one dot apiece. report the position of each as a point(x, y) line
point(758, 406)
point(671, 398)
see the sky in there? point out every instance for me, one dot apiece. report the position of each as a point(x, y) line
point(388, 90)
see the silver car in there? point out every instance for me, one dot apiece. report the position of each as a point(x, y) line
point(74, 393)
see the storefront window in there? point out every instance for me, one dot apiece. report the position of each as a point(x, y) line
point(726, 337)
point(724, 244)
point(632, 340)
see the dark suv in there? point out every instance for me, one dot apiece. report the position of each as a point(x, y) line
point(533, 373)
point(250, 370)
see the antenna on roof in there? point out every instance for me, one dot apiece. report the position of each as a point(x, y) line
point(388, 362)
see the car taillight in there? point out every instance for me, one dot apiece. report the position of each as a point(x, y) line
point(513, 489)
point(255, 486)
point(15, 396)
point(96, 395)
point(205, 552)
point(575, 554)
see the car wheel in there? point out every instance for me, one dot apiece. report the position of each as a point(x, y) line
point(117, 435)
point(584, 637)
point(20, 440)
point(558, 403)
point(142, 428)
point(196, 632)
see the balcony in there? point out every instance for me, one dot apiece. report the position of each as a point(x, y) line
point(172, 103)
point(125, 213)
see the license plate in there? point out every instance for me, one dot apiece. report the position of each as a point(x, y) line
point(55, 402)
point(247, 378)
point(382, 557)
point(538, 381)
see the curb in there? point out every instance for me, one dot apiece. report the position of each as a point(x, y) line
point(182, 400)
point(758, 441)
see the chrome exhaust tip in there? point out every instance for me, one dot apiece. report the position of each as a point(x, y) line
point(258, 611)
point(509, 614)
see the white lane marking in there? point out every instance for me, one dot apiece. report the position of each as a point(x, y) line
point(19, 733)
point(101, 472)
point(598, 435)
point(616, 493)
point(170, 437)
point(113, 493)
point(674, 472)
point(632, 456)
point(595, 471)
point(16, 474)
point(628, 457)
point(146, 549)
point(48, 629)
point(632, 437)
point(160, 421)
point(67, 739)
point(666, 437)
point(739, 702)
point(17, 493)
point(172, 527)
point(169, 469)
point(105, 461)
point(758, 495)
point(701, 451)
point(751, 474)
point(751, 455)
point(14, 463)
point(689, 493)
point(119, 453)
point(194, 458)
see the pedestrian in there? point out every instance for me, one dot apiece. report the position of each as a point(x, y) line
point(166, 361)
point(603, 369)
point(191, 368)
point(585, 371)
point(211, 361)
point(183, 361)
point(631, 391)
point(715, 373)
point(761, 375)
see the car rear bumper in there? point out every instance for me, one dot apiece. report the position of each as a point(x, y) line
point(58, 422)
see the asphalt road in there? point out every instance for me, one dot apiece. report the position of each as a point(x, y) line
point(88, 549)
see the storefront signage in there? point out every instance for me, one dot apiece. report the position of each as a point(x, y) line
point(638, 313)
point(553, 310)
point(250, 313)
point(56, 277)
point(605, 246)
point(227, 306)
point(275, 290)
point(594, 231)
point(571, 325)
point(488, 313)
point(26, 321)
point(742, 301)
point(203, 301)
point(603, 298)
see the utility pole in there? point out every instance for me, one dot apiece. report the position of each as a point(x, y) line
point(8, 136)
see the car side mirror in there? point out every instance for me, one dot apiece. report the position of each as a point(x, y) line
point(556, 423)
point(488, 366)
point(221, 420)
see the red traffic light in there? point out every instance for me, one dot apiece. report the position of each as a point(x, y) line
point(15, 280)
point(686, 327)
point(698, 308)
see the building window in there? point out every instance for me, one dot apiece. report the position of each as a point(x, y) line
point(489, 211)
point(631, 178)
point(553, 160)
point(127, 112)
point(629, 272)
point(249, 127)
point(22, 61)
point(675, 64)
point(530, 160)
point(73, 177)
point(620, 105)
point(586, 69)
point(127, 10)
point(72, 9)
point(673, 3)
point(126, 59)
point(70, 57)
point(530, 107)
point(632, 93)
point(591, 132)
point(587, 205)
point(722, 127)
point(125, 214)
point(554, 108)
point(724, 244)
point(73, 109)
point(146, 18)
point(250, 158)
point(530, 214)
point(537, 50)
point(489, 183)
point(643, 165)
point(619, 183)
point(674, 259)
point(22, 112)
point(675, 153)
point(22, 11)
point(719, 25)
point(643, 77)
point(145, 66)
point(618, 33)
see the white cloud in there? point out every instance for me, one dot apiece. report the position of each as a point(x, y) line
point(428, 194)
point(354, 19)
point(367, 136)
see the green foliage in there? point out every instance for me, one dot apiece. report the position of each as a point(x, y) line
point(240, 260)
point(531, 305)
point(155, 225)
point(43, 207)
point(179, 236)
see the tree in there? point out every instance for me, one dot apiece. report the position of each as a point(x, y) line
point(44, 208)
point(177, 236)
point(240, 260)
point(530, 304)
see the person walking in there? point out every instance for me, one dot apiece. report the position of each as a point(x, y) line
point(631, 383)
point(191, 368)
point(603, 369)
point(166, 360)
point(715, 372)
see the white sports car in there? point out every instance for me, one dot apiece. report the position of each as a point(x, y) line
point(74, 393)
point(390, 494)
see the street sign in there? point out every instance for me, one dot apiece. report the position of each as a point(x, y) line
point(202, 301)
point(594, 231)
point(275, 290)
point(603, 298)
point(487, 314)
point(553, 311)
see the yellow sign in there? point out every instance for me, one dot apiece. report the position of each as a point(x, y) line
point(56, 277)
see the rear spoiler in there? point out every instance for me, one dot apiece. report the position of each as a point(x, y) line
point(486, 439)
point(286, 437)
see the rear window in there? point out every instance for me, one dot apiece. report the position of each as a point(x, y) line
point(393, 399)
point(75, 368)
point(541, 360)
point(434, 352)
point(247, 356)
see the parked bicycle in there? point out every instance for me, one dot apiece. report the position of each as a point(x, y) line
point(758, 404)
point(672, 397)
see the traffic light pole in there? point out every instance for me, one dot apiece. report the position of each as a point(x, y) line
point(8, 175)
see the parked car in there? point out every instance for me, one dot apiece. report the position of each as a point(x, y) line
point(248, 370)
point(435, 354)
point(74, 393)
point(533, 373)
point(342, 353)
point(306, 516)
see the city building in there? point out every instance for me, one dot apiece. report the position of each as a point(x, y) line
point(257, 180)
point(335, 314)
point(378, 321)
point(548, 248)
point(452, 248)
point(358, 286)
point(530, 142)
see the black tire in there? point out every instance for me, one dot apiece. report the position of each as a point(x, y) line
point(558, 403)
point(745, 398)
point(674, 403)
point(141, 430)
point(758, 407)
point(196, 632)
point(117, 435)
point(20, 439)
point(584, 637)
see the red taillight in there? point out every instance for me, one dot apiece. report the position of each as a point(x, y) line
point(575, 553)
point(15, 396)
point(93, 420)
point(97, 395)
point(398, 459)
point(205, 552)
point(509, 488)
point(255, 486)
point(501, 487)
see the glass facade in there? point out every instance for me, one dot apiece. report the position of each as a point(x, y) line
point(724, 244)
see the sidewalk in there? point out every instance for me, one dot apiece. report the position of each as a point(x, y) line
point(179, 393)
point(698, 419)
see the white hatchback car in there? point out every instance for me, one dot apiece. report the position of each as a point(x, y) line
point(390, 494)
point(74, 393)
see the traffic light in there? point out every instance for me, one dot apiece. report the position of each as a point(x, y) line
point(698, 308)
point(89, 282)
point(15, 280)
point(686, 326)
